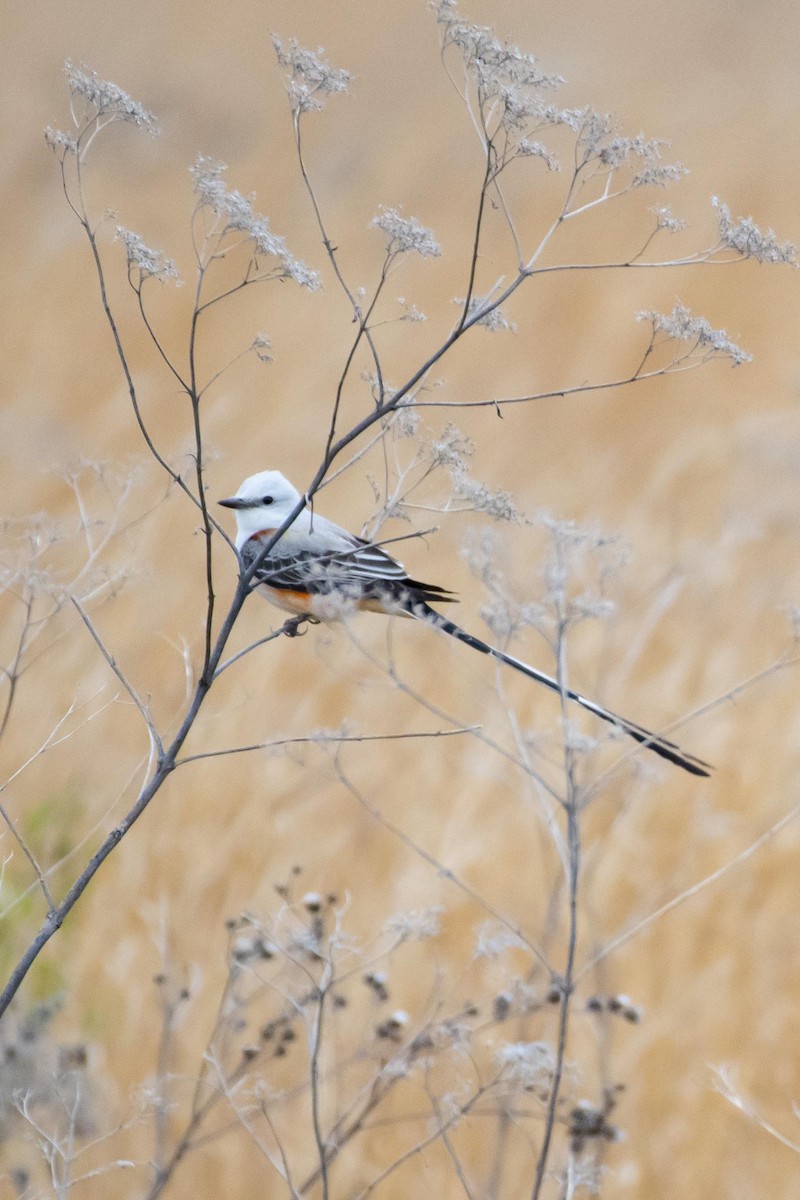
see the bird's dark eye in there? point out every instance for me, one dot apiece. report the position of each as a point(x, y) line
point(267, 499)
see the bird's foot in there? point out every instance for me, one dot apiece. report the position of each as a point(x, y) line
point(294, 626)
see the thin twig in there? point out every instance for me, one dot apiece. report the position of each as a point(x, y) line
point(462, 1111)
point(324, 739)
point(444, 872)
point(688, 893)
point(142, 707)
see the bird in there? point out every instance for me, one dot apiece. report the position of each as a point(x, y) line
point(318, 571)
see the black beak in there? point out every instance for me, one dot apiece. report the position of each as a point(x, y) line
point(234, 502)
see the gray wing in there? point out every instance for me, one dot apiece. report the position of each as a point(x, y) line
point(348, 564)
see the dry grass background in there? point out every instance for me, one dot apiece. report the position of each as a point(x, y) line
point(698, 473)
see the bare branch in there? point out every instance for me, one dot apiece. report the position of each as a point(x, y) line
point(323, 739)
point(142, 707)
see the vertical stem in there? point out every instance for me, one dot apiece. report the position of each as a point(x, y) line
point(473, 266)
point(567, 987)
point(567, 982)
point(162, 1098)
point(316, 1120)
point(194, 397)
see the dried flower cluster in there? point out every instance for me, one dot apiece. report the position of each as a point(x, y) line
point(589, 1122)
point(497, 503)
point(529, 1066)
point(681, 326)
point(405, 235)
point(103, 103)
point(59, 142)
point(410, 311)
point(238, 216)
point(107, 99)
point(746, 238)
point(143, 260)
point(311, 77)
point(511, 105)
point(484, 52)
point(619, 1005)
point(43, 1082)
point(665, 219)
point(452, 449)
point(417, 924)
point(490, 317)
point(528, 148)
point(614, 151)
point(493, 939)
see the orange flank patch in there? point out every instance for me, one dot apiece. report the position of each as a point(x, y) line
point(298, 602)
point(301, 603)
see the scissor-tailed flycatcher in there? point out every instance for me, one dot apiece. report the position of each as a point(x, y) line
point(317, 569)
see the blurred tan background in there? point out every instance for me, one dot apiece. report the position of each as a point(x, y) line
point(698, 473)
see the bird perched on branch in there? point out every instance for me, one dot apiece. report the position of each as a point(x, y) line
point(319, 571)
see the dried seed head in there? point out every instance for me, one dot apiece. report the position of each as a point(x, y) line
point(311, 77)
point(245, 948)
point(60, 143)
point(238, 216)
point(393, 1026)
point(405, 235)
point(145, 262)
point(681, 326)
point(529, 1065)
point(744, 236)
point(502, 1006)
point(417, 924)
point(107, 99)
point(376, 981)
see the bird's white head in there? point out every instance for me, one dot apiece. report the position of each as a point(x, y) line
point(264, 501)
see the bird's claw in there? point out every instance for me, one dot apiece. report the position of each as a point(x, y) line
point(294, 625)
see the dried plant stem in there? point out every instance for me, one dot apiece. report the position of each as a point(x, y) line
point(462, 1111)
point(688, 893)
point(442, 870)
point(572, 807)
point(316, 1032)
point(166, 764)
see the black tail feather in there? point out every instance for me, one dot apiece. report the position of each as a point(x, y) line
point(652, 741)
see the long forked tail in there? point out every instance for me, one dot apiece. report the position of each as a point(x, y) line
point(659, 745)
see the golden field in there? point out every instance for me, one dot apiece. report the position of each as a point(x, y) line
point(695, 472)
